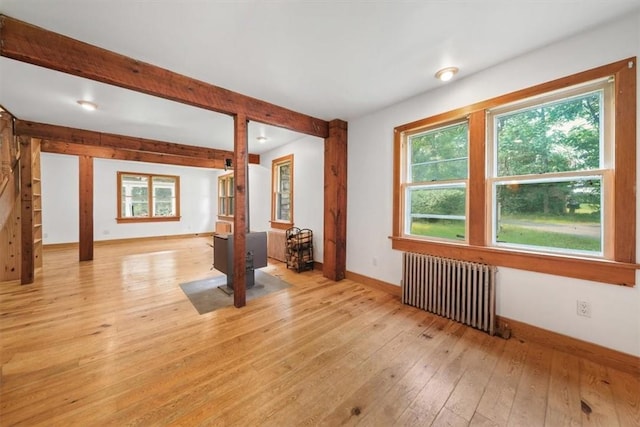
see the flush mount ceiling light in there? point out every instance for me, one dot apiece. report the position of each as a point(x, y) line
point(262, 139)
point(88, 105)
point(446, 73)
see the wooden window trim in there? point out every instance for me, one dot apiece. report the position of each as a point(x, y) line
point(620, 270)
point(124, 220)
point(278, 224)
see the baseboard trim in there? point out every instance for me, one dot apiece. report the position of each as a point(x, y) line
point(374, 283)
point(128, 240)
point(594, 352)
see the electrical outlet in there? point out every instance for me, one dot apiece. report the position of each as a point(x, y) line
point(374, 261)
point(583, 308)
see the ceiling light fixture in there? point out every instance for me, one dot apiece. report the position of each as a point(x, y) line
point(88, 105)
point(446, 73)
point(262, 139)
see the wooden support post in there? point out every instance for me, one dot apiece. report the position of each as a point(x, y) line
point(240, 211)
point(335, 201)
point(27, 269)
point(86, 207)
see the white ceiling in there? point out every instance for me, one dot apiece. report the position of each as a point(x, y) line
point(325, 58)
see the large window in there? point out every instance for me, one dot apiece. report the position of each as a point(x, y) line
point(542, 179)
point(225, 195)
point(282, 192)
point(147, 197)
point(551, 170)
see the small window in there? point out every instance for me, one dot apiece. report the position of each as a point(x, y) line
point(436, 185)
point(225, 195)
point(146, 197)
point(282, 192)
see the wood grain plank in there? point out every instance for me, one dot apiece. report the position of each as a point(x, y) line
point(495, 404)
point(563, 408)
point(530, 402)
point(424, 409)
point(597, 401)
point(626, 397)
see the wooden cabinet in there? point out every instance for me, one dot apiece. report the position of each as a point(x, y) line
point(299, 254)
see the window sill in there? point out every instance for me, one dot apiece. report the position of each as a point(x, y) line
point(225, 218)
point(147, 219)
point(605, 271)
point(281, 225)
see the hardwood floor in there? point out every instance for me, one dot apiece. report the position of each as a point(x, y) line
point(115, 341)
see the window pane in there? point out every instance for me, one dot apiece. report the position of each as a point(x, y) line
point(561, 215)
point(284, 177)
point(164, 196)
point(555, 137)
point(135, 196)
point(437, 211)
point(283, 207)
point(439, 154)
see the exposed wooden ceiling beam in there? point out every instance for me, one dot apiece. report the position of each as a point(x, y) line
point(25, 42)
point(74, 149)
point(120, 142)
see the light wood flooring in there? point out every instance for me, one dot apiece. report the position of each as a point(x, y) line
point(115, 342)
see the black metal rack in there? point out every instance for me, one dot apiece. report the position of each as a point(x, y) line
point(299, 249)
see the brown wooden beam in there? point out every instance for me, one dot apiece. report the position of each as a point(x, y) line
point(240, 211)
point(8, 187)
point(108, 140)
point(35, 45)
point(59, 147)
point(335, 201)
point(27, 269)
point(86, 207)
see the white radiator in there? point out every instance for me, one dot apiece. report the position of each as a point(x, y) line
point(460, 290)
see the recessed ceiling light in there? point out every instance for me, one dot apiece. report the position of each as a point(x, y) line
point(262, 139)
point(446, 73)
point(88, 105)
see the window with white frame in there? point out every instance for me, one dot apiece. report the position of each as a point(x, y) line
point(282, 192)
point(550, 171)
point(148, 197)
point(436, 182)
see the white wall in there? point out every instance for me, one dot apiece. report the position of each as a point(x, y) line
point(198, 200)
point(546, 301)
point(308, 187)
point(60, 204)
